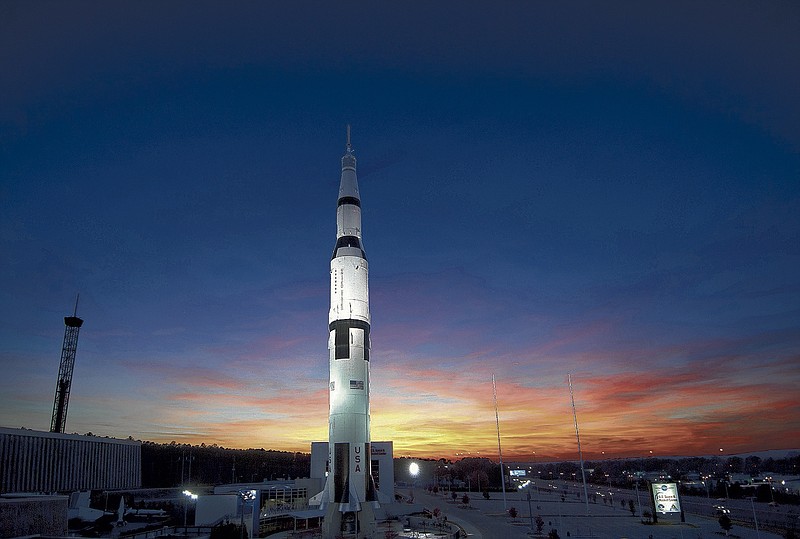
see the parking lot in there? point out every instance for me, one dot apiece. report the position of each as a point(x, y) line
point(489, 519)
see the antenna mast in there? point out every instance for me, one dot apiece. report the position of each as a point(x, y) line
point(72, 327)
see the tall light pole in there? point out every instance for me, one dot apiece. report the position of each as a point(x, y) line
point(245, 495)
point(413, 469)
point(530, 511)
point(189, 496)
point(771, 494)
point(499, 451)
point(638, 499)
point(578, 437)
point(755, 518)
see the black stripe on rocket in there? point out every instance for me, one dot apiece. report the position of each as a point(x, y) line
point(348, 200)
point(370, 481)
point(348, 241)
point(341, 328)
point(341, 455)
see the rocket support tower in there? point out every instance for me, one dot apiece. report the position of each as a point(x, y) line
point(350, 496)
point(61, 401)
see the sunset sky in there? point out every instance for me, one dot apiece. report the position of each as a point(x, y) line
point(609, 190)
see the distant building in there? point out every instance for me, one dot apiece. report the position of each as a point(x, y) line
point(46, 462)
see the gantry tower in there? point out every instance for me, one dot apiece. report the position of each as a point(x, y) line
point(72, 327)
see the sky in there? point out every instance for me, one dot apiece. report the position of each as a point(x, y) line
point(606, 193)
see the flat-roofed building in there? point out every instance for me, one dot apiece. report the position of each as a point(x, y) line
point(36, 461)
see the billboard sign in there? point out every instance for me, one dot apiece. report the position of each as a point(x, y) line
point(665, 496)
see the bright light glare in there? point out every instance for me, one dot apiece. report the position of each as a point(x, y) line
point(413, 468)
point(190, 494)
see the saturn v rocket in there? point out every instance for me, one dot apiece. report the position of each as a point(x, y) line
point(350, 496)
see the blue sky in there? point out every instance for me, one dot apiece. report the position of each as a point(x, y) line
point(608, 190)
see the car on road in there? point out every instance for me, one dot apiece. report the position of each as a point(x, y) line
point(721, 510)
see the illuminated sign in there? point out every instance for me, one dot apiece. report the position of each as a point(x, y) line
point(665, 496)
point(516, 473)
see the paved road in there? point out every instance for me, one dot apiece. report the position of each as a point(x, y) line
point(487, 519)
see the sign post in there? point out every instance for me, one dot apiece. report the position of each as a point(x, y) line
point(665, 499)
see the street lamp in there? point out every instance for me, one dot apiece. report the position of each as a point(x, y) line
point(413, 469)
point(189, 496)
point(245, 495)
point(771, 494)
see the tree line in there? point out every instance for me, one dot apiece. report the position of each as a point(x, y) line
point(174, 465)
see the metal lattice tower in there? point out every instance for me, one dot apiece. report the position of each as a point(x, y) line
point(73, 325)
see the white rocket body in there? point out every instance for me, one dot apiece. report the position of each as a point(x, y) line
point(349, 494)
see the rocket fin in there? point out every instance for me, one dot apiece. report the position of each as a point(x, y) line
point(373, 494)
point(353, 504)
point(321, 498)
point(381, 499)
point(121, 511)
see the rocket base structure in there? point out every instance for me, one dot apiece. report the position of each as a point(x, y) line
point(349, 497)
